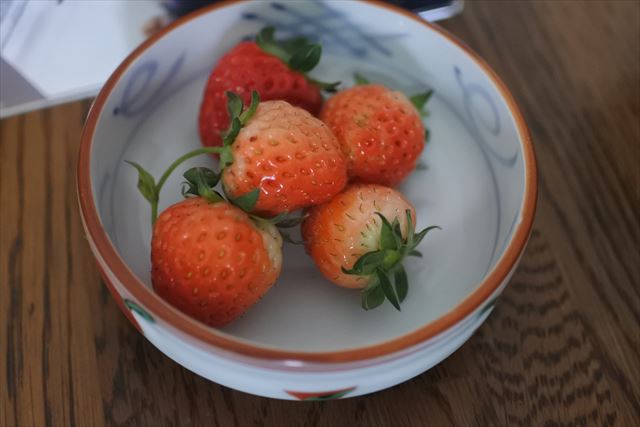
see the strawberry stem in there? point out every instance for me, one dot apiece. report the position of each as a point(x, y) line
point(171, 168)
point(182, 159)
point(151, 191)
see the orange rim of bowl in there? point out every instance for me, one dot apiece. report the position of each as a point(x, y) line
point(211, 336)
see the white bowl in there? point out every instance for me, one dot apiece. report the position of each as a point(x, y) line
point(308, 338)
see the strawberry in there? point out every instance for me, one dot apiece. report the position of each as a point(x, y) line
point(360, 238)
point(275, 158)
point(276, 70)
point(211, 260)
point(380, 130)
point(209, 257)
point(285, 153)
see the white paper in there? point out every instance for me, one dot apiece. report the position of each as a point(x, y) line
point(70, 48)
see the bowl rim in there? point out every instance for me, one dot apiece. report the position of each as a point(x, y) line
point(201, 332)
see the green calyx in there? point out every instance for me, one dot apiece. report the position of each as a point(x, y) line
point(360, 79)
point(247, 201)
point(387, 276)
point(298, 53)
point(201, 181)
point(239, 117)
point(420, 100)
point(150, 189)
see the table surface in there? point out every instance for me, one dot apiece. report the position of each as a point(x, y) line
point(561, 347)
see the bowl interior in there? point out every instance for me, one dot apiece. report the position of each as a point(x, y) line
point(472, 184)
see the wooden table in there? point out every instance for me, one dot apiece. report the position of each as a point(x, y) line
point(561, 348)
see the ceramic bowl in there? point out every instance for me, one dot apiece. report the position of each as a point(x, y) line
point(309, 339)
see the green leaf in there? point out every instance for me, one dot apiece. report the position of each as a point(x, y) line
point(187, 190)
point(266, 35)
point(372, 298)
point(146, 183)
point(387, 238)
point(232, 133)
point(247, 201)
point(327, 87)
point(201, 182)
point(401, 282)
point(234, 104)
point(395, 226)
point(265, 41)
point(226, 157)
point(415, 253)
point(373, 282)
point(366, 264)
point(410, 229)
point(360, 79)
point(293, 44)
point(249, 112)
point(193, 175)
point(388, 290)
point(298, 53)
point(391, 258)
point(208, 194)
point(238, 119)
point(418, 238)
point(397, 232)
point(306, 58)
point(419, 100)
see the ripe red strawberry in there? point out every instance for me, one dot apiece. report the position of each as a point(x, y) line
point(291, 157)
point(380, 130)
point(359, 239)
point(274, 69)
point(211, 260)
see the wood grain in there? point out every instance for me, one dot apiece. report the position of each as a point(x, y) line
point(562, 346)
